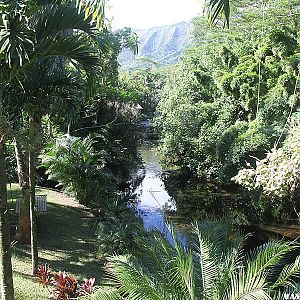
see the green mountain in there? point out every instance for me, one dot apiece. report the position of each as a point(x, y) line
point(158, 46)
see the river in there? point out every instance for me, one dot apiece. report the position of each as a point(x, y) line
point(153, 201)
point(156, 206)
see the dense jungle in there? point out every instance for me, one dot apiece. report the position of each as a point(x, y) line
point(172, 176)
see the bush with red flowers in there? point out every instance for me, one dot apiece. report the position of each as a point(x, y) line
point(61, 286)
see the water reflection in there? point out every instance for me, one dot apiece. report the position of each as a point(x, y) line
point(152, 199)
point(194, 201)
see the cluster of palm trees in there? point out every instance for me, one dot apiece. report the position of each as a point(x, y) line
point(39, 40)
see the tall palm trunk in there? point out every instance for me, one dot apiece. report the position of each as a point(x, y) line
point(6, 280)
point(33, 142)
point(23, 175)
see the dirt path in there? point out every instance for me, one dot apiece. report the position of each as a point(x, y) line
point(283, 230)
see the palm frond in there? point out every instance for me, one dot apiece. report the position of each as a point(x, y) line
point(16, 36)
point(132, 281)
point(181, 269)
point(217, 7)
point(251, 280)
point(206, 270)
point(267, 256)
point(79, 51)
point(288, 272)
point(222, 234)
point(290, 292)
point(94, 11)
point(245, 287)
point(51, 20)
point(106, 295)
point(170, 266)
point(232, 262)
point(77, 48)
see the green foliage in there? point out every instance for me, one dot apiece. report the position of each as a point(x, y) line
point(32, 31)
point(144, 87)
point(277, 174)
point(118, 231)
point(215, 267)
point(49, 50)
point(228, 100)
point(282, 43)
point(229, 58)
point(10, 164)
point(114, 126)
point(74, 164)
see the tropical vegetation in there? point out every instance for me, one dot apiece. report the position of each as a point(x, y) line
point(232, 98)
point(215, 267)
point(227, 114)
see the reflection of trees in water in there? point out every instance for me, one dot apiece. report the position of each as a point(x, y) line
point(196, 200)
point(199, 200)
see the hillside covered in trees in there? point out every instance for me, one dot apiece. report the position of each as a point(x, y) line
point(158, 46)
point(216, 101)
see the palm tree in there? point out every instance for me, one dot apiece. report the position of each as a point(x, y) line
point(6, 281)
point(74, 164)
point(31, 31)
point(215, 8)
point(214, 268)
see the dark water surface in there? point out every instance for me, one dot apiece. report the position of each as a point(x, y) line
point(155, 204)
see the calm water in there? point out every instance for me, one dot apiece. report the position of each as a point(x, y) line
point(152, 198)
point(156, 206)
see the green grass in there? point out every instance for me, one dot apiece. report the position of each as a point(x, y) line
point(66, 243)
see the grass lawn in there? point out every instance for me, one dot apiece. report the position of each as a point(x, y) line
point(66, 243)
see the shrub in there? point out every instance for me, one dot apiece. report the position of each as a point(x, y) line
point(73, 162)
point(277, 174)
point(121, 228)
point(61, 286)
point(214, 267)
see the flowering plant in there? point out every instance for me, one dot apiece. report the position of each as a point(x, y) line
point(278, 174)
point(61, 286)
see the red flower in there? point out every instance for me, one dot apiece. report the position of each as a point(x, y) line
point(87, 287)
point(42, 274)
point(65, 287)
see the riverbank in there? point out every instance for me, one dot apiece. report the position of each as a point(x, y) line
point(162, 195)
point(66, 243)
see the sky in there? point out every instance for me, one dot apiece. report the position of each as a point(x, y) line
point(143, 14)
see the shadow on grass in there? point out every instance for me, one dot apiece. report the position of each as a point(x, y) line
point(24, 275)
point(22, 252)
point(64, 231)
point(66, 242)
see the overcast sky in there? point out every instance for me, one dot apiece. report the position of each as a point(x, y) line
point(142, 14)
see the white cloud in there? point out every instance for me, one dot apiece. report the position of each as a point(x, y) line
point(141, 14)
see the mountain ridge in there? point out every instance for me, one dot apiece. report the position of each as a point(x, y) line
point(162, 45)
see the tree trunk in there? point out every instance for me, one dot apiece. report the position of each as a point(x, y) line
point(6, 280)
point(32, 168)
point(24, 232)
